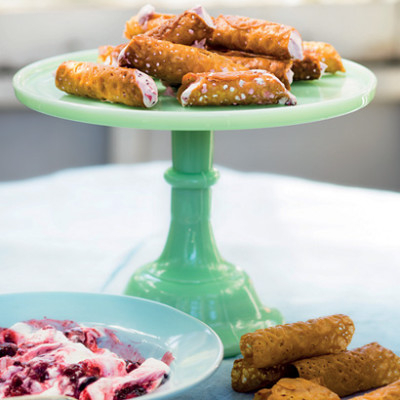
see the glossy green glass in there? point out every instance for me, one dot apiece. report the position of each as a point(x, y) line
point(190, 274)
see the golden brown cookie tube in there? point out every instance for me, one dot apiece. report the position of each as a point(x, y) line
point(108, 55)
point(326, 54)
point(283, 344)
point(296, 389)
point(146, 19)
point(352, 371)
point(389, 392)
point(309, 68)
point(245, 378)
point(191, 26)
point(169, 61)
point(226, 88)
point(102, 82)
point(257, 36)
point(280, 68)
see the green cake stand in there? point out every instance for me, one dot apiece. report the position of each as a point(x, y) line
point(191, 274)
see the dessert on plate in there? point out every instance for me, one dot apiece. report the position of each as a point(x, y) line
point(172, 48)
point(50, 357)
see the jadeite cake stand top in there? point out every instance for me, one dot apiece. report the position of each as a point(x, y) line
point(190, 274)
point(317, 100)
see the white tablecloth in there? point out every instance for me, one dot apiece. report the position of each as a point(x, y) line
point(312, 249)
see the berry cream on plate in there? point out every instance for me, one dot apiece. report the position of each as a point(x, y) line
point(49, 357)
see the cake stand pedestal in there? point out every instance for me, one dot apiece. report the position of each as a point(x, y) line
point(190, 274)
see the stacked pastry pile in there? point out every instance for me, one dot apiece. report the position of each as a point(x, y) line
point(309, 361)
point(227, 60)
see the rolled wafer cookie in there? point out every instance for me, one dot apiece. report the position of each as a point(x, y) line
point(351, 371)
point(296, 389)
point(226, 88)
point(389, 392)
point(309, 68)
point(325, 53)
point(283, 344)
point(257, 36)
point(169, 61)
point(103, 82)
point(145, 20)
point(191, 26)
point(108, 55)
point(245, 378)
point(280, 68)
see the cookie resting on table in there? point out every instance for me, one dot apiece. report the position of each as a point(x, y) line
point(103, 82)
point(283, 344)
point(169, 61)
point(351, 371)
point(389, 392)
point(296, 389)
point(225, 88)
point(245, 378)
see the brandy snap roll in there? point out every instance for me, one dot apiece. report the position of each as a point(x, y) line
point(309, 68)
point(245, 378)
point(290, 342)
point(325, 53)
point(389, 392)
point(108, 55)
point(169, 61)
point(146, 19)
point(257, 36)
point(191, 26)
point(225, 88)
point(282, 69)
point(352, 371)
point(296, 389)
point(102, 82)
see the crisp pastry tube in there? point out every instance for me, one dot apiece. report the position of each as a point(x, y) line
point(352, 371)
point(389, 392)
point(146, 19)
point(309, 68)
point(192, 26)
point(325, 53)
point(169, 61)
point(118, 85)
point(108, 55)
point(296, 389)
point(282, 69)
point(233, 88)
point(245, 378)
point(257, 36)
point(283, 344)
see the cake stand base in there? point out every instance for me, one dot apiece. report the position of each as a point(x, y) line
point(227, 302)
point(190, 274)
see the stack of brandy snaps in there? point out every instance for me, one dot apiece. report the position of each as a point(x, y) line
point(227, 60)
point(310, 361)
